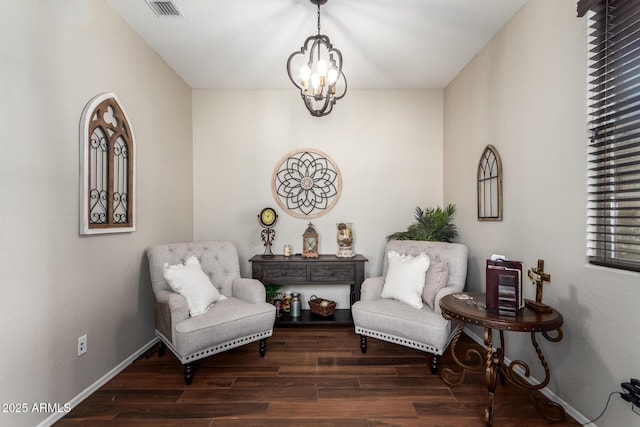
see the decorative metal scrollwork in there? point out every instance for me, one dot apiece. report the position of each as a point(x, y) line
point(306, 183)
point(107, 180)
point(98, 179)
point(120, 181)
point(473, 361)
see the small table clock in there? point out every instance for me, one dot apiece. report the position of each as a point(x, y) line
point(267, 218)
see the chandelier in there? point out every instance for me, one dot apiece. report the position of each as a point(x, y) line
point(316, 69)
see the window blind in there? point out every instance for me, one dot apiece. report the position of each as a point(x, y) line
point(613, 179)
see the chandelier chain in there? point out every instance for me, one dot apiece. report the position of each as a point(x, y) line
point(318, 18)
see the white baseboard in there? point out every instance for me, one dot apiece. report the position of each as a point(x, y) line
point(55, 417)
point(570, 410)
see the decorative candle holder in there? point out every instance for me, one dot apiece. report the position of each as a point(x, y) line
point(345, 240)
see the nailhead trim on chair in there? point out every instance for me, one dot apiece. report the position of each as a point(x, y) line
point(399, 340)
point(226, 346)
point(214, 349)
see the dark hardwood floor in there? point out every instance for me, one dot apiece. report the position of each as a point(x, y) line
point(309, 377)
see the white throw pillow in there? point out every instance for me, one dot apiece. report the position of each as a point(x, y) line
point(437, 277)
point(405, 278)
point(192, 283)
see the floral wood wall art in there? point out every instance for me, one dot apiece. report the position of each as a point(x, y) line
point(306, 183)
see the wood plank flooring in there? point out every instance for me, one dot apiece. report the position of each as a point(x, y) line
point(309, 377)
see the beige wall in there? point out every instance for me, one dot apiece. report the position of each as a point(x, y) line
point(525, 93)
point(56, 285)
point(387, 144)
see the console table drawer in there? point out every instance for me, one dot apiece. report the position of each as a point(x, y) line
point(333, 273)
point(281, 273)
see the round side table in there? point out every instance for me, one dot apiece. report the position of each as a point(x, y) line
point(469, 308)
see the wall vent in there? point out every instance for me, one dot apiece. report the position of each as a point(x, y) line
point(164, 8)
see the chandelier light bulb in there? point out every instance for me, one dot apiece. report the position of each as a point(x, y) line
point(322, 68)
point(305, 73)
point(333, 76)
point(315, 81)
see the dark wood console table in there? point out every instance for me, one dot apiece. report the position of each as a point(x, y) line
point(473, 312)
point(324, 270)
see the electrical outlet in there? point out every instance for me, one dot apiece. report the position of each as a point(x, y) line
point(82, 345)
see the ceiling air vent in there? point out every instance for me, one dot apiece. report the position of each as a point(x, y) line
point(164, 8)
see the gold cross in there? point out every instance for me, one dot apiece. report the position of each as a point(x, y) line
point(538, 277)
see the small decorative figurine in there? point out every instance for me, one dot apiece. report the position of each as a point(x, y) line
point(310, 243)
point(286, 302)
point(538, 277)
point(345, 240)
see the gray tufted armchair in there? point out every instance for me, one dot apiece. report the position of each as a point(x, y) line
point(393, 321)
point(243, 317)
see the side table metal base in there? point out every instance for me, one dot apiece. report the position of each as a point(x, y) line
point(550, 410)
point(492, 361)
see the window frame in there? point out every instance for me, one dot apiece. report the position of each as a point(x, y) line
point(122, 132)
point(613, 169)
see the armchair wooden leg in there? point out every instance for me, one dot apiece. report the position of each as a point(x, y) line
point(435, 362)
point(161, 348)
point(363, 343)
point(188, 373)
point(263, 347)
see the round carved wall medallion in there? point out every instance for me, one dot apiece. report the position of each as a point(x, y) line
point(306, 183)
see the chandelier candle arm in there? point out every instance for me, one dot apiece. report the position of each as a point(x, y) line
point(316, 69)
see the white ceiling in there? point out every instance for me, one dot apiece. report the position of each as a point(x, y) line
point(385, 44)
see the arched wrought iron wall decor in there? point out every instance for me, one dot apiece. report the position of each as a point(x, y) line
point(306, 183)
point(490, 185)
point(107, 175)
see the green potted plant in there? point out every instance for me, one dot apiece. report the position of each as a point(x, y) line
point(271, 291)
point(434, 224)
